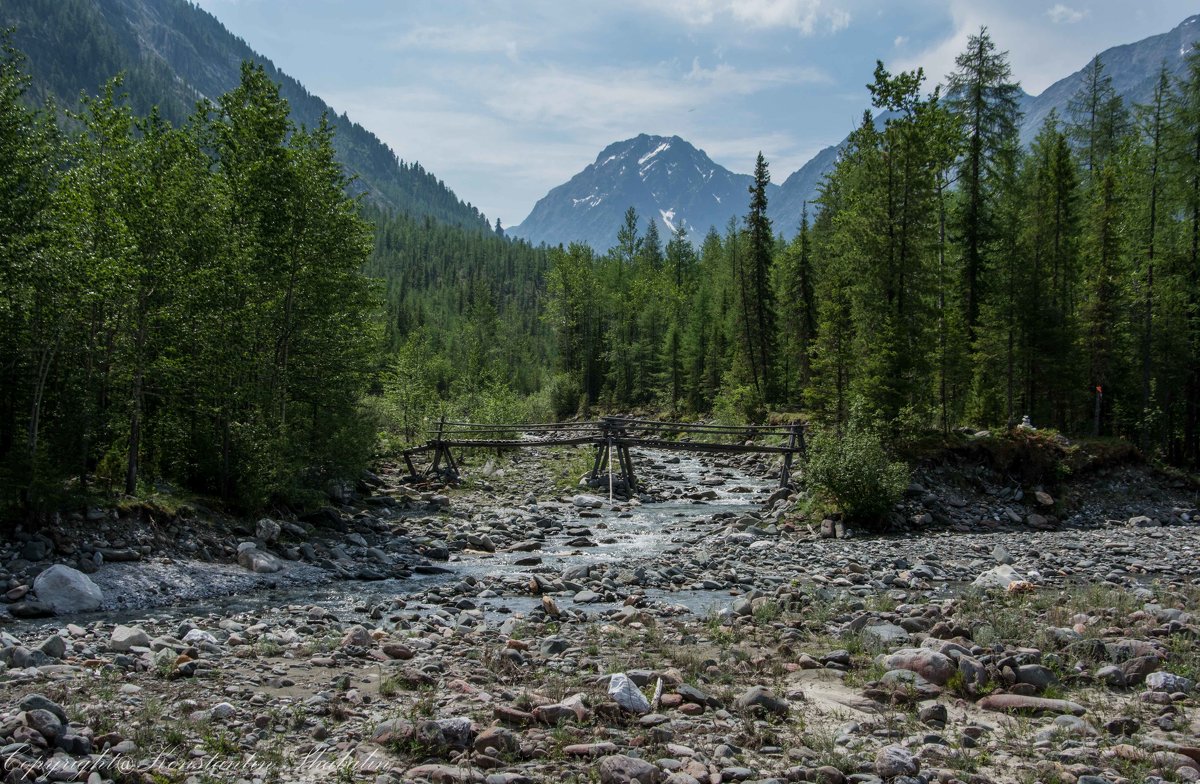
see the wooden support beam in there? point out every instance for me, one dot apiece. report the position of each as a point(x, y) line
point(630, 479)
point(786, 471)
point(601, 450)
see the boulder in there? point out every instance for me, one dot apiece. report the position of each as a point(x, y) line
point(268, 530)
point(570, 709)
point(1016, 703)
point(126, 637)
point(1036, 675)
point(761, 698)
point(893, 761)
point(932, 666)
point(357, 636)
point(67, 590)
point(620, 769)
point(1165, 681)
point(885, 634)
point(259, 561)
point(626, 694)
point(998, 577)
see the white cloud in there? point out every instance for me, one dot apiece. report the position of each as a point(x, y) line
point(807, 16)
point(498, 38)
point(900, 41)
point(1061, 14)
point(726, 79)
point(1038, 54)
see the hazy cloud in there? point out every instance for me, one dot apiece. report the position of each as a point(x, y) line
point(497, 38)
point(1061, 14)
point(807, 16)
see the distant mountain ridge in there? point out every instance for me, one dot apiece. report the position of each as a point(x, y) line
point(1133, 67)
point(591, 205)
point(662, 177)
point(173, 53)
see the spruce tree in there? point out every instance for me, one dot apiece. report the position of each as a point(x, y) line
point(981, 92)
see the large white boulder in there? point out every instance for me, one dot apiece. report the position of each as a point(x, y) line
point(67, 590)
point(257, 560)
point(1000, 577)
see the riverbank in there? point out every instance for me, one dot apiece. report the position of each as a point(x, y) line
point(761, 649)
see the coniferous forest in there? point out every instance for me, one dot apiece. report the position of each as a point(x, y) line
point(945, 277)
point(200, 303)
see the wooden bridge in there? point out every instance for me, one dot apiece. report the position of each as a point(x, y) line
point(613, 438)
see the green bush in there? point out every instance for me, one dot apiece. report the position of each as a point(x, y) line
point(852, 469)
point(564, 392)
point(738, 404)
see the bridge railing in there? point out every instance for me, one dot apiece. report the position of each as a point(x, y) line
point(612, 436)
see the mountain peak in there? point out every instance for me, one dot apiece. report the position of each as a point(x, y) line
point(664, 178)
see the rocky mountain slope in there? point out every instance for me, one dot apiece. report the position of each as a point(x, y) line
point(173, 53)
point(664, 178)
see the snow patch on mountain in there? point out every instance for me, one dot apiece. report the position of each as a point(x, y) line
point(668, 217)
point(660, 148)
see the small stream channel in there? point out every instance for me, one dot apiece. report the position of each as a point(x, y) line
point(623, 535)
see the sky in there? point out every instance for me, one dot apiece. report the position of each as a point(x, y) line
point(505, 99)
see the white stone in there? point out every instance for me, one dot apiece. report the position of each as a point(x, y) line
point(1166, 681)
point(199, 635)
point(626, 694)
point(127, 637)
point(259, 561)
point(222, 710)
point(1000, 576)
point(67, 590)
point(268, 530)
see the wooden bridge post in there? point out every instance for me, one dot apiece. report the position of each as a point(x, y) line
point(601, 452)
point(440, 450)
point(437, 446)
point(793, 445)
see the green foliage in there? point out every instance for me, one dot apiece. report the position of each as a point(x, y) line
point(198, 312)
point(738, 404)
point(852, 468)
point(76, 45)
point(563, 394)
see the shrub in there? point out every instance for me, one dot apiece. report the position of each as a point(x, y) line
point(738, 404)
point(852, 469)
point(564, 391)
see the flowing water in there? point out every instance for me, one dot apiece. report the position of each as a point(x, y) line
point(622, 534)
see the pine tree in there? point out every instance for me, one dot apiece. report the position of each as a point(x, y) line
point(1098, 117)
point(797, 305)
point(752, 271)
point(34, 290)
point(981, 93)
point(1100, 126)
point(1152, 120)
point(1184, 147)
point(1050, 242)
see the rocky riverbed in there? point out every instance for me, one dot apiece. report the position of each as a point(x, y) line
point(515, 629)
